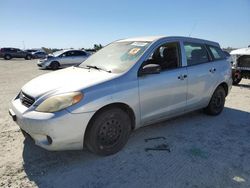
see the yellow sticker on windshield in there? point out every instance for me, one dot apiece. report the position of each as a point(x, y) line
point(134, 51)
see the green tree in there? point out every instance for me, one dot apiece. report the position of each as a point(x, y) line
point(98, 47)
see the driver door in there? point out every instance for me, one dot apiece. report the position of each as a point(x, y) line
point(163, 95)
point(66, 58)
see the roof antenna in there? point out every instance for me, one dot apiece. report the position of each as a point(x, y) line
point(192, 30)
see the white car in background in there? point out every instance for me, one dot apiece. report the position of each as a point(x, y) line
point(241, 64)
point(64, 58)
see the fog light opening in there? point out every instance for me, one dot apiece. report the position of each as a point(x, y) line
point(49, 139)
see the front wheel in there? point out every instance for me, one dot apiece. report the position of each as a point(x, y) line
point(108, 132)
point(217, 102)
point(54, 65)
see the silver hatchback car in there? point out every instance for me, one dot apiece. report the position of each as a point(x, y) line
point(63, 58)
point(128, 84)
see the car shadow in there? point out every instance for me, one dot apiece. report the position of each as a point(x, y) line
point(15, 60)
point(136, 166)
point(243, 85)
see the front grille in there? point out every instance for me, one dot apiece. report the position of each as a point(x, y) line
point(26, 100)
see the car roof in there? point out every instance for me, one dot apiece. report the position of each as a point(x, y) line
point(155, 38)
point(241, 51)
point(10, 48)
point(66, 50)
point(145, 39)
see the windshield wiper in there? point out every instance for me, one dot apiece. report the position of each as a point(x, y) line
point(98, 68)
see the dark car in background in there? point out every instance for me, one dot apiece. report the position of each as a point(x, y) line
point(39, 55)
point(9, 53)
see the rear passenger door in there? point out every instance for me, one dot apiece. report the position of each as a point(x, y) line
point(80, 56)
point(219, 61)
point(201, 79)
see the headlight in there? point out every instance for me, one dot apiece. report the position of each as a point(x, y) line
point(59, 102)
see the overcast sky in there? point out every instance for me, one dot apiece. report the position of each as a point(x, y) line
point(65, 24)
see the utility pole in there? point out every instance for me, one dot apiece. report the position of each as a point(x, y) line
point(23, 45)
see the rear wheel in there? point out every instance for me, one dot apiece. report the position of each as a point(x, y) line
point(217, 102)
point(54, 65)
point(108, 132)
point(236, 78)
point(28, 57)
point(7, 57)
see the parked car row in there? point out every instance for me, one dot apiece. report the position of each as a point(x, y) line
point(59, 59)
point(126, 85)
point(9, 53)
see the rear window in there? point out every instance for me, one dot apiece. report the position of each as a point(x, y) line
point(216, 52)
point(195, 53)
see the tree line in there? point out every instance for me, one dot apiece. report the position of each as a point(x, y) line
point(95, 48)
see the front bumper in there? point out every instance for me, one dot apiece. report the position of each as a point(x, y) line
point(42, 64)
point(65, 130)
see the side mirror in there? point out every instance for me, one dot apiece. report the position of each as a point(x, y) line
point(150, 69)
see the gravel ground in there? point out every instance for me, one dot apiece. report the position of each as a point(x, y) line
point(204, 151)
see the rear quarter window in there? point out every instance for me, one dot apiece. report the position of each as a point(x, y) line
point(216, 53)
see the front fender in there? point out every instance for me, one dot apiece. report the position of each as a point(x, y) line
point(114, 91)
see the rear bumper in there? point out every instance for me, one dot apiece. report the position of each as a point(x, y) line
point(52, 131)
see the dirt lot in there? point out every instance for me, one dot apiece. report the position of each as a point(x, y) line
point(204, 151)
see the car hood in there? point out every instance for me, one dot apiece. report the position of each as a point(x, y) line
point(66, 80)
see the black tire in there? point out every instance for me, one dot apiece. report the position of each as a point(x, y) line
point(7, 57)
point(236, 79)
point(54, 65)
point(108, 132)
point(217, 102)
point(28, 57)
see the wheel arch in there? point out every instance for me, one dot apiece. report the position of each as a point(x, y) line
point(7, 54)
point(225, 87)
point(54, 61)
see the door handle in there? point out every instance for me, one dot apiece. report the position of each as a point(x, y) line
point(182, 77)
point(212, 70)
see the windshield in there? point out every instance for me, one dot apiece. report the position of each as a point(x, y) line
point(57, 53)
point(117, 57)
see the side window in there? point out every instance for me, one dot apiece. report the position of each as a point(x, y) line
point(195, 53)
point(64, 54)
point(80, 53)
point(68, 54)
point(217, 53)
point(167, 56)
point(13, 50)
